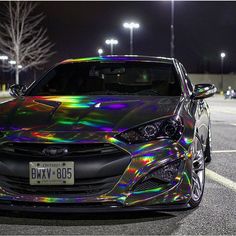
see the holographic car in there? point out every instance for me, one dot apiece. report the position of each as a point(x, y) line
point(109, 133)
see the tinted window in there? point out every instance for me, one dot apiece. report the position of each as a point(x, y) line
point(129, 78)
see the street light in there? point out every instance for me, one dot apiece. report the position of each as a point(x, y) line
point(111, 42)
point(100, 52)
point(11, 62)
point(131, 26)
point(3, 57)
point(222, 56)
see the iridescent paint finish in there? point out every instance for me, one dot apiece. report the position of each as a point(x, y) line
point(98, 119)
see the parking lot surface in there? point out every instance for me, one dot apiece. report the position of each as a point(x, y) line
point(215, 215)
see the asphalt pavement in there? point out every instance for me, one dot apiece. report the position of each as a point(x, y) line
point(215, 215)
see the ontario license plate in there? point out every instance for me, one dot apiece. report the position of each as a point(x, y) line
point(51, 173)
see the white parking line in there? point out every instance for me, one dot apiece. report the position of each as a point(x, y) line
point(221, 179)
point(224, 151)
point(229, 111)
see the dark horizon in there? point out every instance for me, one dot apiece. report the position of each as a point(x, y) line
point(202, 30)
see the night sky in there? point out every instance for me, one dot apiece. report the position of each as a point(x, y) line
point(202, 30)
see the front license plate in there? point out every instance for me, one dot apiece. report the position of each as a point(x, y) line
point(51, 173)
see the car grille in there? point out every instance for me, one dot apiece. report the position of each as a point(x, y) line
point(146, 185)
point(85, 187)
point(70, 206)
point(98, 167)
point(74, 150)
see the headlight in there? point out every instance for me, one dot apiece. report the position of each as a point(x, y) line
point(168, 128)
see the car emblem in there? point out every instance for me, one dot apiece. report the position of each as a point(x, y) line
point(55, 151)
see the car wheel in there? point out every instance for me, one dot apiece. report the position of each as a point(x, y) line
point(208, 147)
point(198, 174)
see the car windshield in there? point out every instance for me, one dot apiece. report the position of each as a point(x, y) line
point(109, 78)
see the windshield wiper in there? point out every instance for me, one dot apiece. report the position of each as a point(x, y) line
point(106, 92)
point(148, 92)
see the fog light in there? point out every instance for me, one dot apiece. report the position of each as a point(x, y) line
point(166, 173)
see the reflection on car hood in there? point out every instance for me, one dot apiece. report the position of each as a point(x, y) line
point(84, 113)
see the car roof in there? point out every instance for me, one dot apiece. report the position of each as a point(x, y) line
point(120, 58)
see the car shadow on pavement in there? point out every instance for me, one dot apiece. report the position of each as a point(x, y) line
point(89, 219)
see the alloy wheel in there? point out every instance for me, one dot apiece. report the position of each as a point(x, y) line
point(198, 172)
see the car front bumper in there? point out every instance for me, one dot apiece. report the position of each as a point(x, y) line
point(67, 208)
point(122, 197)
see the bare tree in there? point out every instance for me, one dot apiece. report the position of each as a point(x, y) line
point(22, 38)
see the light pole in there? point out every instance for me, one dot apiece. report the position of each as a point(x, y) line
point(172, 29)
point(100, 52)
point(222, 56)
point(111, 42)
point(12, 63)
point(3, 58)
point(131, 26)
point(16, 68)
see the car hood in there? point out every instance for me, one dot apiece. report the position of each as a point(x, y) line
point(84, 113)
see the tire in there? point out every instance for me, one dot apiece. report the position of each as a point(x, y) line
point(208, 147)
point(198, 174)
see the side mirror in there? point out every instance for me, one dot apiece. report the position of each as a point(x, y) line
point(202, 91)
point(17, 90)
